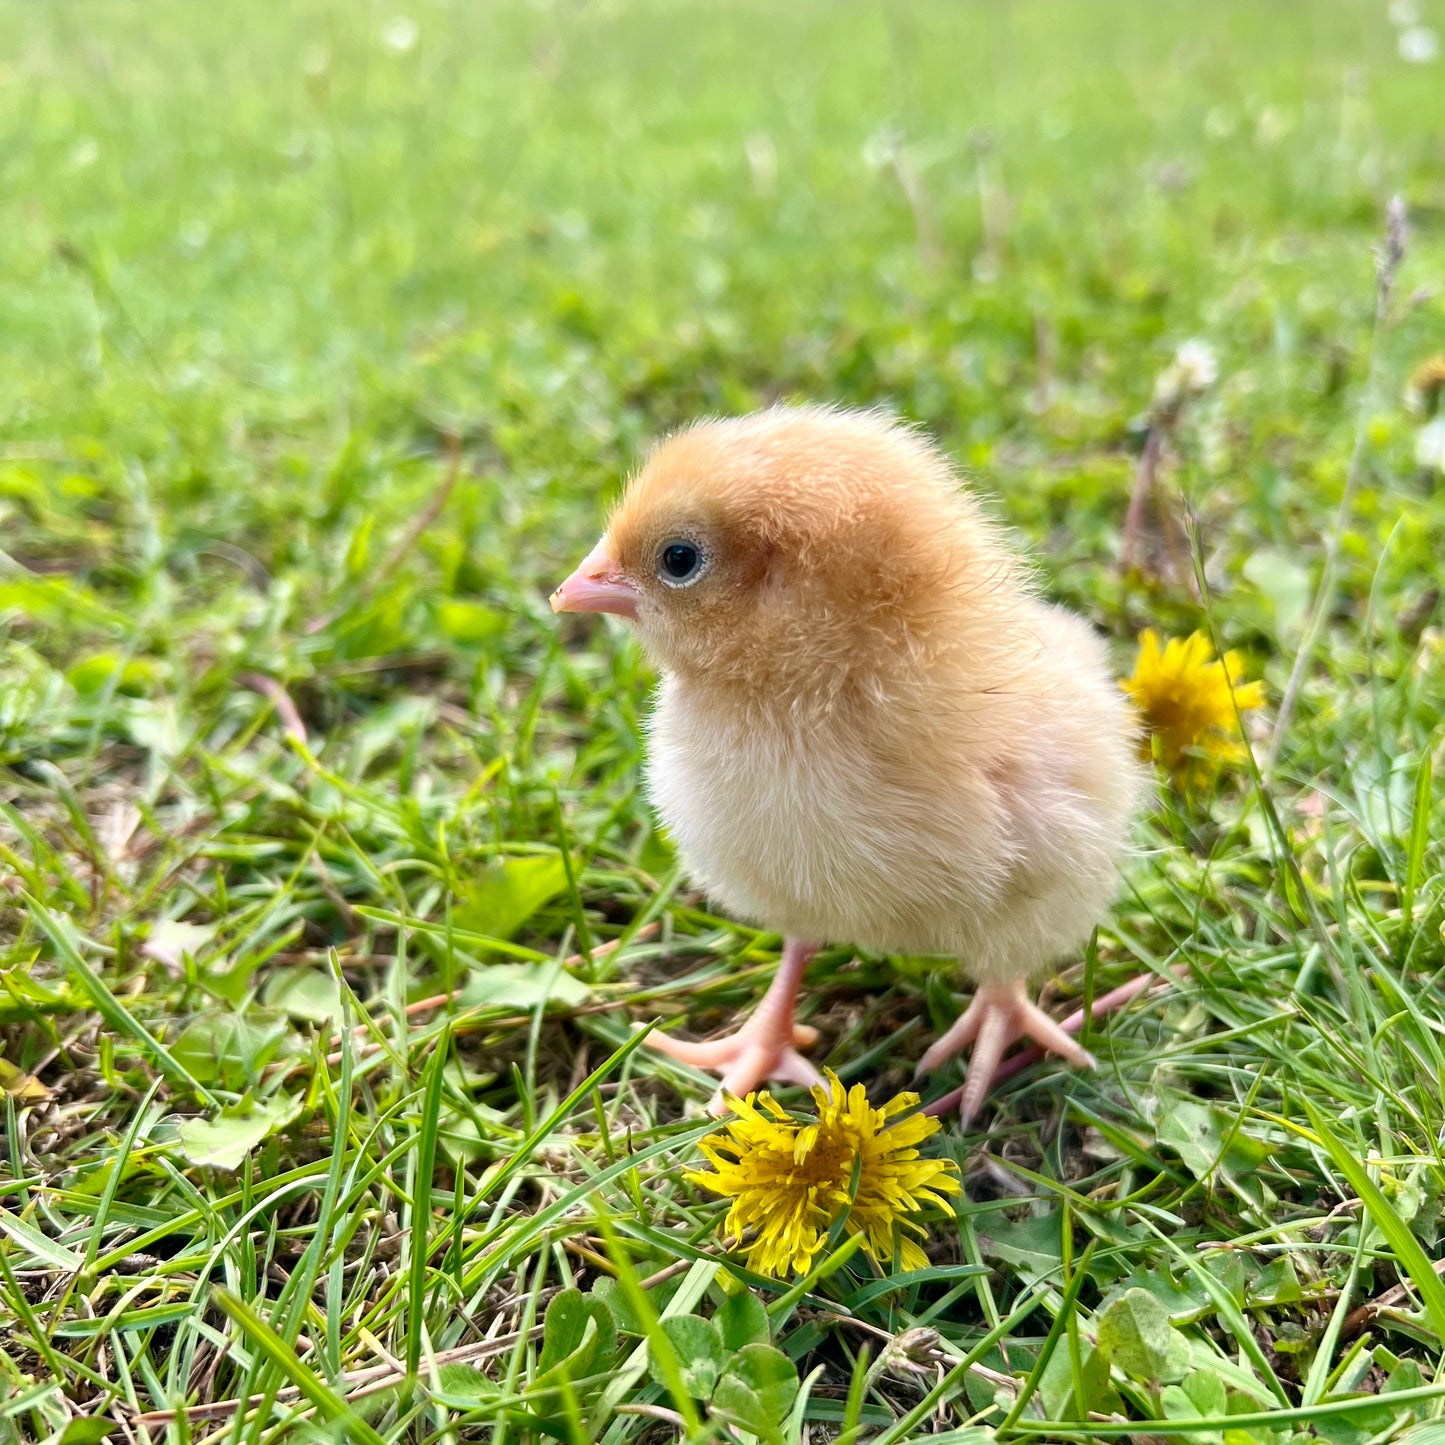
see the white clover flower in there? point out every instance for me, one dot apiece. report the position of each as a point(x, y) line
point(1198, 365)
point(1419, 45)
point(400, 34)
point(1430, 446)
point(1195, 369)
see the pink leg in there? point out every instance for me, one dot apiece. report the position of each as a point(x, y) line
point(999, 1014)
point(765, 1047)
point(970, 1094)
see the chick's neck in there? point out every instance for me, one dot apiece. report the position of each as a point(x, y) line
point(878, 670)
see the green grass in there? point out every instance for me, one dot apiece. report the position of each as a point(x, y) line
point(326, 339)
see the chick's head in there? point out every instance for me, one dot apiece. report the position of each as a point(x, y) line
point(787, 547)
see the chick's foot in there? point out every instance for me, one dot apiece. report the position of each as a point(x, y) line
point(766, 1047)
point(998, 1016)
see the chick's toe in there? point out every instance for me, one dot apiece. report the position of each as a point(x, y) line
point(998, 1016)
point(765, 1047)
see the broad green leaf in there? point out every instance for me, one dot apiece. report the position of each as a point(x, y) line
point(1197, 1133)
point(59, 601)
point(508, 892)
point(1134, 1334)
point(224, 1141)
point(1405, 1376)
point(25, 1087)
point(464, 1387)
point(1207, 1392)
point(1284, 585)
point(1056, 1388)
point(1277, 1284)
point(743, 1321)
point(756, 1390)
point(1291, 1338)
point(304, 993)
point(89, 1431)
point(1201, 1396)
point(1179, 1358)
point(469, 1134)
point(104, 671)
point(228, 1048)
point(1180, 1301)
point(39, 1246)
point(171, 940)
point(698, 1344)
point(1413, 1260)
point(1428, 1432)
point(470, 623)
point(1031, 1245)
point(522, 986)
point(578, 1330)
point(1227, 1268)
point(156, 724)
point(610, 1293)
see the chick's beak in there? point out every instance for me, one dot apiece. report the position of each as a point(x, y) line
point(598, 585)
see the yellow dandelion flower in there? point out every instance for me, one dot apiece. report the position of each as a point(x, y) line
point(1183, 694)
point(790, 1182)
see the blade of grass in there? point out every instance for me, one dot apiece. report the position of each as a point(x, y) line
point(902, 1428)
point(115, 1013)
point(280, 1354)
point(1408, 1251)
point(1419, 838)
point(659, 1347)
point(1057, 1331)
point(421, 1192)
point(1252, 1420)
point(1229, 1311)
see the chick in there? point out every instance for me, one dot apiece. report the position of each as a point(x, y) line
point(869, 729)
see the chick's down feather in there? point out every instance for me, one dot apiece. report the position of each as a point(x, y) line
point(869, 728)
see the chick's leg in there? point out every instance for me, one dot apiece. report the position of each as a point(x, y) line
point(766, 1047)
point(999, 1015)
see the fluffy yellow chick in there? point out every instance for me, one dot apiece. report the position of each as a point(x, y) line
point(869, 729)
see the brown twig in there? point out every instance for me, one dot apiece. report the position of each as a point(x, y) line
point(992, 206)
point(1359, 1317)
point(421, 1006)
point(1146, 484)
point(920, 202)
point(1045, 357)
point(667, 1272)
point(349, 915)
point(279, 699)
point(653, 1412)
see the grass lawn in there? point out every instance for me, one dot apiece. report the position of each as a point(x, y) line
point(328, 891)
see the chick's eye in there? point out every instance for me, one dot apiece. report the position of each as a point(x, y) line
point(680, 563)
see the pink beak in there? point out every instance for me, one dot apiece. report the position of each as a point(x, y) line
point(597, 586)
